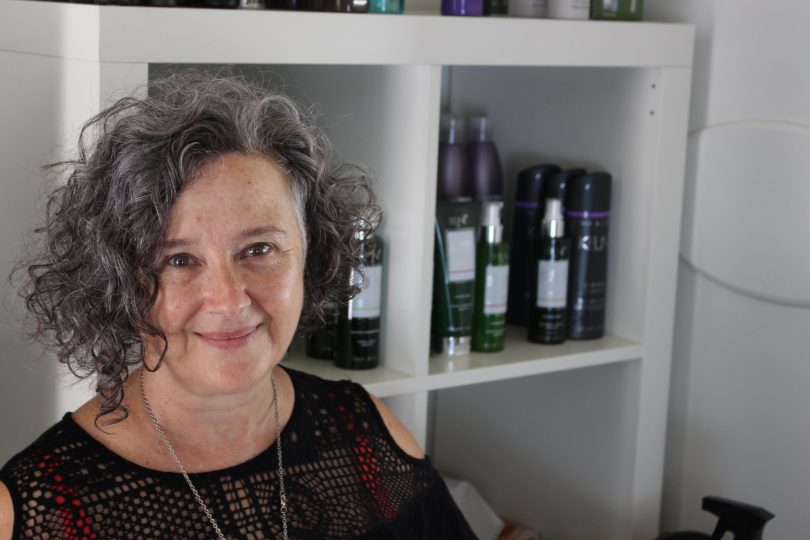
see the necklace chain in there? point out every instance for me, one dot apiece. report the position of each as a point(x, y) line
point(281, 491)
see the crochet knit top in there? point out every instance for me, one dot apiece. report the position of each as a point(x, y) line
point(345, 477)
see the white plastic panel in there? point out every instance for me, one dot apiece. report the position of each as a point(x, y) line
point(746, 208)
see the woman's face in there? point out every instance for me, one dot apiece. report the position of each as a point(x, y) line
point(231, 277)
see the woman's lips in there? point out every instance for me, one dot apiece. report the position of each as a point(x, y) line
point(228, 340)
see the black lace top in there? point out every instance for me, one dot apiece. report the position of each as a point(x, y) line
point(344, 475)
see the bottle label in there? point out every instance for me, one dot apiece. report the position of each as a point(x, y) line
point(366, 305)
point(496, 289)
point(552, 284)
point(460, 254)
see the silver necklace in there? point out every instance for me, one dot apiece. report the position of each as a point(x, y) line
point(282, 493)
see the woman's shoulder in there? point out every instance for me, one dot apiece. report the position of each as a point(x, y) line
point(51, 455)
point(355, 409)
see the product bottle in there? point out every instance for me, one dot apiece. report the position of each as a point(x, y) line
point(491, 282)
point(454, 277)
point(386, 6)
point(358, 330)
point(454, 179)
point(547, 316)
point(322, 343)
point(554, 188)
point(496, 7)
point(485, 165)
point(530, 188)
point(587, 210)
point(353, 6)
point(282, 4)
point(569, 9)
point(528, 8)
point(469, 8)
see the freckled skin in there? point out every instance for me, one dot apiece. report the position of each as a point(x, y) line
point(234, 263)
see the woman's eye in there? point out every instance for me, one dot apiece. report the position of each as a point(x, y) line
point(257, 249)
point(180, 260)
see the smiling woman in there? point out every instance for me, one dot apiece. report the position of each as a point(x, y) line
point(199, 232)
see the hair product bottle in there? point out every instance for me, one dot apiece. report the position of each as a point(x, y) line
point(454, 180)
point(485, 165)
point(587, 210)
point(491, 282)
point(454, 277)
point(527, 215)
point(321, 343)
point(386, 6)
point(569, 9)
point(358, 330)
point(469, 8)
point(528, 8)
point(547, 316)
point(555, 187)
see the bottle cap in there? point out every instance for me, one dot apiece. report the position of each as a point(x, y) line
point(454, 346)
point(480, 129)
point(530, 184)
point(491, 213)
point(452, 129)
point(588, 193)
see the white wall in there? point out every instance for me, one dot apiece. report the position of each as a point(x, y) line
point(739, 422)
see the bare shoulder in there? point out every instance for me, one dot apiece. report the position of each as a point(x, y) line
point(6, 513)
point(398, 431)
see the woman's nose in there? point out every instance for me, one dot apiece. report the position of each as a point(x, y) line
point(225, 291)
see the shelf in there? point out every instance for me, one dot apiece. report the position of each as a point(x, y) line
point(185, 35)
point(520, 358)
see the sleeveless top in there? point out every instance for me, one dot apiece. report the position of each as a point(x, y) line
point(345, 477)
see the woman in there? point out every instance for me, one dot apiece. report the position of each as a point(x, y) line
point(196, 236)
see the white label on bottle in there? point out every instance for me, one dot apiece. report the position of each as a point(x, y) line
point(461, 254)
point(552, 284)
point(496, 289)
point(366, 305)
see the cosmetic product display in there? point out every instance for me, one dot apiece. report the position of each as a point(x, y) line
point(491, 282)
point(547, 315)
point(619, 10)
point(386, 6)
point(321, 343)
point(485, 165)
point(569, 9)
point(587, 209)
point(454, 277)
point(528, 8)
point(527, 214)
point(358, 328)
point(467, 8)
point(454, 177)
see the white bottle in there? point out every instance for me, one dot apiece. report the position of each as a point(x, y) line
point(528, 8)
point(569, 9)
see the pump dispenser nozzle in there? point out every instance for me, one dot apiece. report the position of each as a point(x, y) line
point(553, 222)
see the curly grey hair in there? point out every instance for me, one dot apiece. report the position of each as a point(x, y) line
point(93, 281)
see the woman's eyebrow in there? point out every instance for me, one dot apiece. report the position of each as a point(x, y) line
point(173, 243)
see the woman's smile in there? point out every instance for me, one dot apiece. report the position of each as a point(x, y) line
point(229, 340)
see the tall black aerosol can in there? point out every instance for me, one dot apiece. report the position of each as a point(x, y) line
point(587, 209)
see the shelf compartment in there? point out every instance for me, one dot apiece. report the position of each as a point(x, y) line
point(520, 358)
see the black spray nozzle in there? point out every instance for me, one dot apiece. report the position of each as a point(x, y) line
point(744, 521)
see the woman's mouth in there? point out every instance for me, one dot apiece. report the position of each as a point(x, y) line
point(228, 340)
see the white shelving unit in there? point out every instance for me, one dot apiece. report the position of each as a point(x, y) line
point(568, 439)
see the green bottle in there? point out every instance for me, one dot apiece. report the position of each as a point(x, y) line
point(358, 329)
point(547, 310)
point(491, 282)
